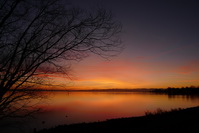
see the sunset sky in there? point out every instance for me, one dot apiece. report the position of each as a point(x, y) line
point(161, 39)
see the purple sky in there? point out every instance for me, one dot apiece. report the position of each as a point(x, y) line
point(161, 39)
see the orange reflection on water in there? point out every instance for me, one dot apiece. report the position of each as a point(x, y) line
point(73, 107)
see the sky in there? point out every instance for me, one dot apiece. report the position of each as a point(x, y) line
point(161, 47)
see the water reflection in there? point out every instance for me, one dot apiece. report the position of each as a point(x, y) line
point(74, 107)
point(185, 97)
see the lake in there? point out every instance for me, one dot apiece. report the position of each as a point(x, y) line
point(77, 107)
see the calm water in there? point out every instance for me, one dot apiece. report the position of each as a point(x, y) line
point(74, 107)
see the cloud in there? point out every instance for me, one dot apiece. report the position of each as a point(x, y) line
point(189, 81)
point(189, 67)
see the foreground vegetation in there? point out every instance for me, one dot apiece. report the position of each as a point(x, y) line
point(178, 120)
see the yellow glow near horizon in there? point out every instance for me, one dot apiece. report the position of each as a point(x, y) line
point(97, 74)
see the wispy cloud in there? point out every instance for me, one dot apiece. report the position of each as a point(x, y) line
point(189, 81)
point(189, 67)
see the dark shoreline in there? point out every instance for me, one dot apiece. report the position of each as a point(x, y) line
point(183, 121)
point(192, 90)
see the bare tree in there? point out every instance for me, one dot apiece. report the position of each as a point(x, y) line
point(36, 36)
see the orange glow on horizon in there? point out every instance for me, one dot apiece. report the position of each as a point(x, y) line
point(94, 73)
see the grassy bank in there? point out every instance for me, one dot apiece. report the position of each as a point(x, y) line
point(181, 120)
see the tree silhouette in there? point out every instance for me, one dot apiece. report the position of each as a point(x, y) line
point(36, 36)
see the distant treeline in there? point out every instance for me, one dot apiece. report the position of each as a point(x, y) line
point(91, 90)
point(179, 91)
point(170, 90)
